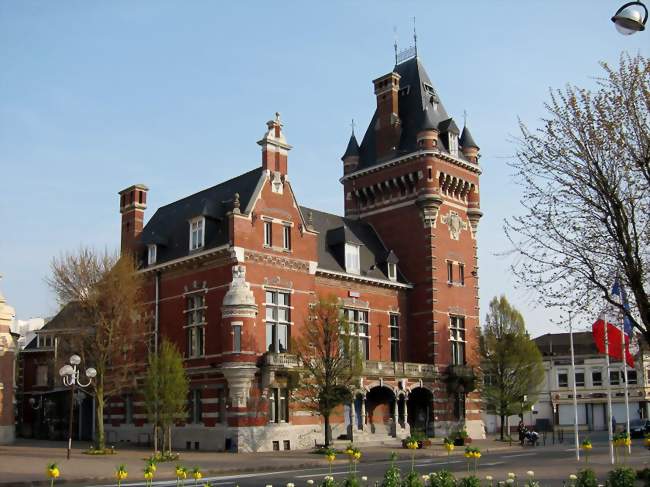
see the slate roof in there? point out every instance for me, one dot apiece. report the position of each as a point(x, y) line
point(335, 230)
point(169, 229)
point(352, 148)
point(558, 344)
point(419, 106)
point(70, 317)
point(466, 139)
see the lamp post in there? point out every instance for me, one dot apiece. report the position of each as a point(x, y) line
point(631, 18)
point(70, 377)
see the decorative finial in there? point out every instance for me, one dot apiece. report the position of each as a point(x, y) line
point(415, 38)
point(277, 117)
point(465, 118)
point(310, 219)
point(395, 41)
point(236, 203)
point(352, 125)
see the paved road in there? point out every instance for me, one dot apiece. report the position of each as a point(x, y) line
point(551, 464)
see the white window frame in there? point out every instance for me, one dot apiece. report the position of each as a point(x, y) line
point(195, 324)
point(237, 336)
point(453, 144)
point(197, 226)
point(394, 338)
point(152, 253)
point(279, 405)
point(44, 341)
point(42, 372)
point(273, 310)
point(352, 259)
point(286, 237)
point(457, 333)
point(268, 233)
point(557, 378)
point(359, 330)
point(392, 271)
point(593, 382)
point(584, 378)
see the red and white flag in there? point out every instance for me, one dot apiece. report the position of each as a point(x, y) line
point(612, 318)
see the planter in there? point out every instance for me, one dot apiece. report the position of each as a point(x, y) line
point(460, 441)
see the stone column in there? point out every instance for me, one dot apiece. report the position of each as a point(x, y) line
point(353, 414)
point(363, 413)
point(7, 357)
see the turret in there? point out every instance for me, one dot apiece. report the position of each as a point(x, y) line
point(351, 157)
point(388, 125)
point(468, 145)
point(133, 202)
point(275, 149)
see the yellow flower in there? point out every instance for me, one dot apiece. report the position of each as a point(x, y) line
point(468, 455)
point(331, 457)
point(148, 474)
point(121, 473)
point(357, 455)
point(197, 475)
point(477, 454)
point(53, 471)
point(412, 445)
point(449, 447)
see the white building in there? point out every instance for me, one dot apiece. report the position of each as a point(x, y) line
point(26, 329)
point(555, 401)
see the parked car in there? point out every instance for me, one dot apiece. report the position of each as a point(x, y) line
point(639, 427)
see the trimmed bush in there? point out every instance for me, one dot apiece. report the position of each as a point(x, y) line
point(586, 478)
point(621, 477)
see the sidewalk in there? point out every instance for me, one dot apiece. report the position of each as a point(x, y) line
point(23, 464)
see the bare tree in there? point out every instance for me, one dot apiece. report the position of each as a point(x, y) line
point(329, 357)
point(107, 292)
point(585, 175)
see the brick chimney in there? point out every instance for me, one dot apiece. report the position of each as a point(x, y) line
point(275, 149)
point(133, 202)
point(388, 126)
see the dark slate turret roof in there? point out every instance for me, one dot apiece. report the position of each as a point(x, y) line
point(419, 106)
point(448, 126)
point(466, 139)
point(353, 148)
point(335, 231)
point(168, 227)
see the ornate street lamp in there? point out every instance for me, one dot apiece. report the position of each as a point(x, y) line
point(630, 18)
point(70, 376)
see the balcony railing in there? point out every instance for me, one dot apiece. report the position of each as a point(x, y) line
point(398, 369)
point(370, 367)
point(281, 360)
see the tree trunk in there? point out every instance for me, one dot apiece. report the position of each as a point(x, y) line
point(155, 438)
point(503, 426)
point(328, 431)
point(99, 413)
point(169, 439)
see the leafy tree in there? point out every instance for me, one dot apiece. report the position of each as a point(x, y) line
point(329, 358)
point(510, 361)
point(166, 388)
point(105, 292)
point(585, 174)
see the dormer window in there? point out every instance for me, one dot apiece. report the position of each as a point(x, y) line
point(453, 144)
point(392, 272)
point(352, 260)
point(151, 254)
point(197, 233)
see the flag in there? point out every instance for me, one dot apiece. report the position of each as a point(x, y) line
point(611, 318)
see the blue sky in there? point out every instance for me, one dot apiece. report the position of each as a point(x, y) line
point(97, 95)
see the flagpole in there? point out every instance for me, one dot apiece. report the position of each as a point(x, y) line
point(575, 393)
point(627, 405)
point(609, 396)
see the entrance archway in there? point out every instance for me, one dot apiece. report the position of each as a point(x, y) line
point(380, 404)
point(420, 410)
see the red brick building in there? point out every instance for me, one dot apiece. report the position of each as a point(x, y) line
point(232, 269)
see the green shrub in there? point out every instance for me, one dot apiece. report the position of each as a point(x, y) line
point(644, 475)
point(586, 478)
point(443, 478)
point(392, 477)
point(329, 481)
point(471, 481)
point(412, 480)
point(621, 477)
